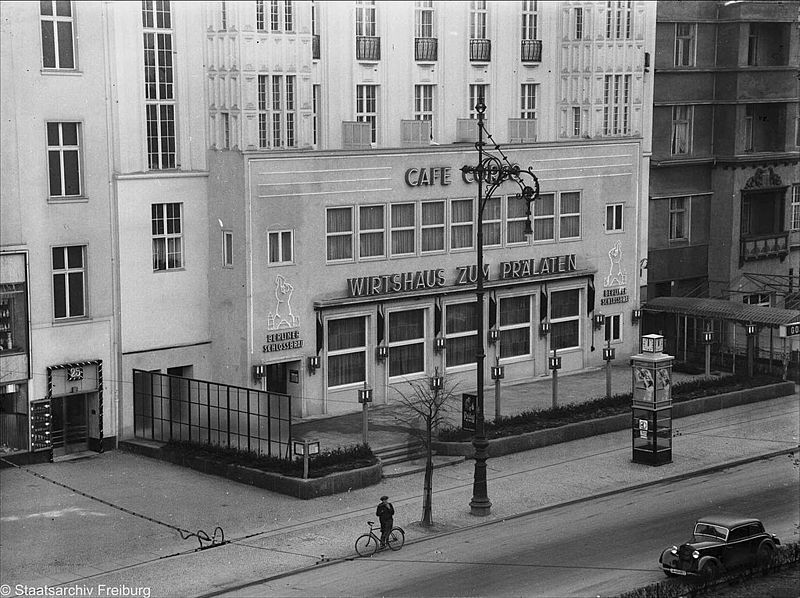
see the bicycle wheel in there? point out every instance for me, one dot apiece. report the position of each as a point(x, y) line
point(366, 545)
point(397, 537)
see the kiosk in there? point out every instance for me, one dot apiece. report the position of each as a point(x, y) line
point(651, 372)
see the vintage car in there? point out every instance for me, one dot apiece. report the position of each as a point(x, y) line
point(719, 544)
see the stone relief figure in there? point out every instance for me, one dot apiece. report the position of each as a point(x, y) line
point(283, 316)
point(616, 275)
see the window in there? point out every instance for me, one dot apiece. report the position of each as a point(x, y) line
point(367, 108)
point(423, 18)
point(528, 100)
point(402, 228)
point(167, 233)
point(226, 130)
point(760, 299)
point(423, 104)
point(159, 85)
point(578, 23)
point(530, 20)
point(406, 342)
point(544, 218)
point(461, 218)
point(516, 218)
point(616, 108)
point(276, 111)
point(613, 328)
point(347, 351)
point(752, 46)
point(565, 319)
point(794, 214)
point(461, 325)
point(339, 234)
point(227, 249)
point(223, 10)
point(618, 19)
point(576, 121)
point(260, 26)
point(682, 118)
point(371, 232)
point(365, 18)
point(749, 112)
point(614, 217)
point(280, 246)
point(684, 43)
point(477, 19)
point(316, 90)
point(69, 282)
point(515, 326)
point(58, 51)
point(678, 219)
point(477, 93)
point(281, 15)
point(492, 222)
point(432, 226)
point(63, 159)
point(570, 216)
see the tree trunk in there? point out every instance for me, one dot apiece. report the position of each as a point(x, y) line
point(427, 500)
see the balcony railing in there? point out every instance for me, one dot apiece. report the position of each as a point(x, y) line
point(315, 47)
point(356, 135)
point(480, 50)
point(521, 130)
point(759, 247)
point(467, 129)
point(368, 47)
point(415, 132)
point(531, 50)
point(426, 49)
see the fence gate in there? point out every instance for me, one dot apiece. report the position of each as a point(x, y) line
point(167, 407)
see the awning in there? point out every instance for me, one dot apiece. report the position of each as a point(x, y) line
point(721, 309)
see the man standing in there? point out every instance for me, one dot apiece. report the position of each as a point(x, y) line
point(385, 513)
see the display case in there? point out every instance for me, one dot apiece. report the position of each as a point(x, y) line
point(651, 409)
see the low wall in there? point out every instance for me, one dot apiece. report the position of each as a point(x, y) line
point(614, 423)
point(311, 488)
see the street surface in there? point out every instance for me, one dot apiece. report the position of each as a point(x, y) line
point(601, 547)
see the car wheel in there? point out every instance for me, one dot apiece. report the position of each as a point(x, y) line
point(709, 571)
point(764, 555)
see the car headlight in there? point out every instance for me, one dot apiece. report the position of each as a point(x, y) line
point(695, 555)
point(674, 550)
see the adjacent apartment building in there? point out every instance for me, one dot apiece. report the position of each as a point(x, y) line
point(269, 195)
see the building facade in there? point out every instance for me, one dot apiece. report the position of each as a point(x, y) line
point(270, 195)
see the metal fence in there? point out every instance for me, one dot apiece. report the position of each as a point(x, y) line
point(169, 407)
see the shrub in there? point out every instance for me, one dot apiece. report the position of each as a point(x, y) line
point(322, 464)
point(540, 419)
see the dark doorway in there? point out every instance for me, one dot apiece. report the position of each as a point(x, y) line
point(70, 424)
point(276, 378)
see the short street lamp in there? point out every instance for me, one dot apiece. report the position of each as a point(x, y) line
point(491, 171)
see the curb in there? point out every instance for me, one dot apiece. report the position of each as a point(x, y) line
point(668, 480)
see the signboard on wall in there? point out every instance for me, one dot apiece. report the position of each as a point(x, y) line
point(469, 409)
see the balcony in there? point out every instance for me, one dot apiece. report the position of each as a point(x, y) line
point(356, 135)
point(467, 129)
point(415, 132)
point(426, 49)
point(521, 130)
point(368, 48)
point(480, 50)
point(759, 247)
point(531, 50)
point(315, 47)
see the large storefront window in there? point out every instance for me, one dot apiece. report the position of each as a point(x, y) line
point(347, 351)
point(461, 325)
point(515, 326)
point(565, 319)
point(13, 318)
point(406, 342)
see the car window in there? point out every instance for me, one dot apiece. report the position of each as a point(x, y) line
point(709, 529)
point(739, 533)
point(755, 529)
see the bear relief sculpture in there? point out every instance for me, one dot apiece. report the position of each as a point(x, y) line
point(282, 317)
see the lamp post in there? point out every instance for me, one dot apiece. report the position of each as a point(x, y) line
point(491, 171)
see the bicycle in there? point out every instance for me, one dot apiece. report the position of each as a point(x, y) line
point(368, 544)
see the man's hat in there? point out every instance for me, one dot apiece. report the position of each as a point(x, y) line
point(384, 498)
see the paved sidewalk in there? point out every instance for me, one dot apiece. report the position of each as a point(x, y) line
point(53, 535)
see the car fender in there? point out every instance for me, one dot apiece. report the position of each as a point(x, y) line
point(706, 559)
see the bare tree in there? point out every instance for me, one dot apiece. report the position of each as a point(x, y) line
point(427, 402)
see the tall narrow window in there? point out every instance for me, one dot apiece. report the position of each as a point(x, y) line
point(515, 326)
point(752, 45)
point(432, 226)
point(226, 130)
point(678, 219)
point(477, 92)
point(288, 15)
point(565, 319)
point(371, 232)
point(681, 130)
point(576, 121)
point(477, 19)
point(794, 214)
point(159, 84)
point(516, 219)
point(530, 20)
point(578, 23)
point(347, 351)
point(69, 282)
point(492, 222)
point(58, 50)
point(227, 249)
point(461, 325)
point(528, 100)
point(167, 231)
point(223, 15)
point(618, 19)
point(280, 246)
point(365, 18)
point(339, 233)
point(315, 99)
point(685, 43)
point(274, 15)
point(423, 102)
point(749, 113)
point(277, 110)
point(461, 219)
point(402, 230)
point(263, 111)
point(423, 18)
point(64, 160)
point(616, 109)
point(260, 16)
point(406, 342)
point(367, 108)
point(570, 216)
point(544, 216)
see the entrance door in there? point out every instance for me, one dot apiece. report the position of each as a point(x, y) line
point(70, 424)
point(276, 378)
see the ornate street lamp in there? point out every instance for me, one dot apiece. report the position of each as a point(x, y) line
point(491, 172)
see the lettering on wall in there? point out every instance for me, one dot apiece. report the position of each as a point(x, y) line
point(281, 341)
point(420, 177)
